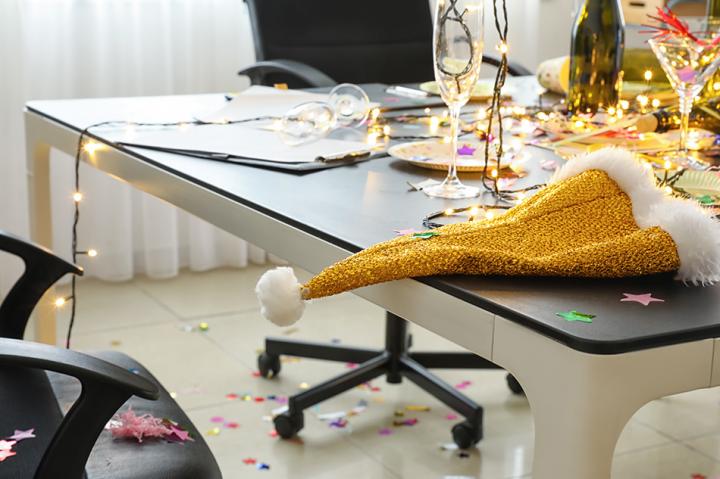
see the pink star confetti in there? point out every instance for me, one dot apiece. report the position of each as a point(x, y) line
point(273, 433)
point(463, 384)
point(644, 299)
point(548, 165)
point(451, 417)
point(466, 150)
point(5, 454)
point(217, 419)
point(6, 445)
point(406, 232)
point(385, 431)
point(351, 365)
point(231, 396)
point(20, 435)
point(179, 434)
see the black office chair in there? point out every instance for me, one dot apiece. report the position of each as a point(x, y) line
point(324, 42)
point(316, 44)
point(37, 382)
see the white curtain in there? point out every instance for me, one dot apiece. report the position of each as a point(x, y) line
point(97, 48)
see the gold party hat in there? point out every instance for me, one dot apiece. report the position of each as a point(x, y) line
point(601, 216)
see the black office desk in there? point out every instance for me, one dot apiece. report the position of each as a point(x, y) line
point(637, 353)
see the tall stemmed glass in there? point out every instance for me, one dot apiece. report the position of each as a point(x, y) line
point(689, 61)
point(457, 55)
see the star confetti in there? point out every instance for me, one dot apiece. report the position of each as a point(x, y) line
point(406, 232)
point(179, 434)
point(698, 476)
point(425, 234)
point(573, 316)
point(20, 435)
point(548, 165)
point(339, 423)
point(466, 150)
point(232, 425)
point(261, 466)
point(385, 431)
point(217, 419)
point(231, 396)
point(4, 454)
point(6, 445)
point(463, 384)
point(273, 433)
point(451, 417)
point(250, 461)
point(214, 431)
point(644, 299)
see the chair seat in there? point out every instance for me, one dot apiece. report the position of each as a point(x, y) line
point(36, 399)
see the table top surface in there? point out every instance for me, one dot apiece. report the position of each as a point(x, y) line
point(357, 206)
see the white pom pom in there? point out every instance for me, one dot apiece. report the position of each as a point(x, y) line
point(280, 296)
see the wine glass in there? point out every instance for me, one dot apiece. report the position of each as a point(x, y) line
point(351, 104)
point(307, 122)
point(348, 105)
point(457, 56)
point(689, 61)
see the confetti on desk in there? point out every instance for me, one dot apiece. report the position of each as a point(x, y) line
point(573, 316)
point(406, 232)
point(644, 299)
point(425, 234)
point(466, 150)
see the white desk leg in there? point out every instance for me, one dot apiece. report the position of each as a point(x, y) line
point(38, 164)
point(581, 402)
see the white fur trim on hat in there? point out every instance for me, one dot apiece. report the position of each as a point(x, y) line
point(696, 234)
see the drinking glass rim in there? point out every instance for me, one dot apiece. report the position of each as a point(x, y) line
point(675, 42)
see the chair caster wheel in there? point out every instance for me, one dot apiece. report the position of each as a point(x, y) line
point(514, 385)
point(268, 365)
point(465, 435)
point(287, 425)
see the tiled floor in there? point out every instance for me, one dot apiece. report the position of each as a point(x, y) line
point(670, 438)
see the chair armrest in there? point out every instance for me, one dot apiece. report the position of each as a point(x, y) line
point(514, 69)
point(313, 77)
point(105, 388)
point(42, 270)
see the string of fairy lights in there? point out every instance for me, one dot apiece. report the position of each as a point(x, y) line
point(483, 124)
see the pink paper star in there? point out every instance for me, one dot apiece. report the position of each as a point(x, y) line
point(385, 431)
point(466, 150)
point(643, 299)
point(406, 232)
point(180, 434)
point(6, 445)
point(5, 454)
point(20, 435)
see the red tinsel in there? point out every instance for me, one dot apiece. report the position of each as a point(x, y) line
point(670, 25)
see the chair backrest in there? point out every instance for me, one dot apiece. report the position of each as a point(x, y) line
point(375, 41)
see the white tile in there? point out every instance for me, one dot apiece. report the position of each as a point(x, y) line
point(665, 462)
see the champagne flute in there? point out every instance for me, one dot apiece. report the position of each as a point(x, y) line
point(457, 56)
point(689, 62)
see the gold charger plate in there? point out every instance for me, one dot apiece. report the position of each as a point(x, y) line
point(435, 155)
point(483, 89)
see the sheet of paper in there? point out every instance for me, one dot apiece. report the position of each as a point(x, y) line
point(259, 101)
point(244, 142)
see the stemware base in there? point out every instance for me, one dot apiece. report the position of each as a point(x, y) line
point(451, 188)
point(686, 159)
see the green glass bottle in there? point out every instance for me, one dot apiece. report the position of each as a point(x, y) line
point(598, 40)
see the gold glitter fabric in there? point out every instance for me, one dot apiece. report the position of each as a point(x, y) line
point(580, 227)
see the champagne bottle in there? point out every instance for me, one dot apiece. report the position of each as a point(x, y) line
point(598, 40)
point(705, 115)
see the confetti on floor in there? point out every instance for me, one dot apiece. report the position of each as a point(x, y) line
point(262, 466)
point(250, 461)
point(463, 384)
point(385, 431)
point(417, 408)
point(217, 419)
point(451, 417)
point(405, 422)
point(213, 432)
